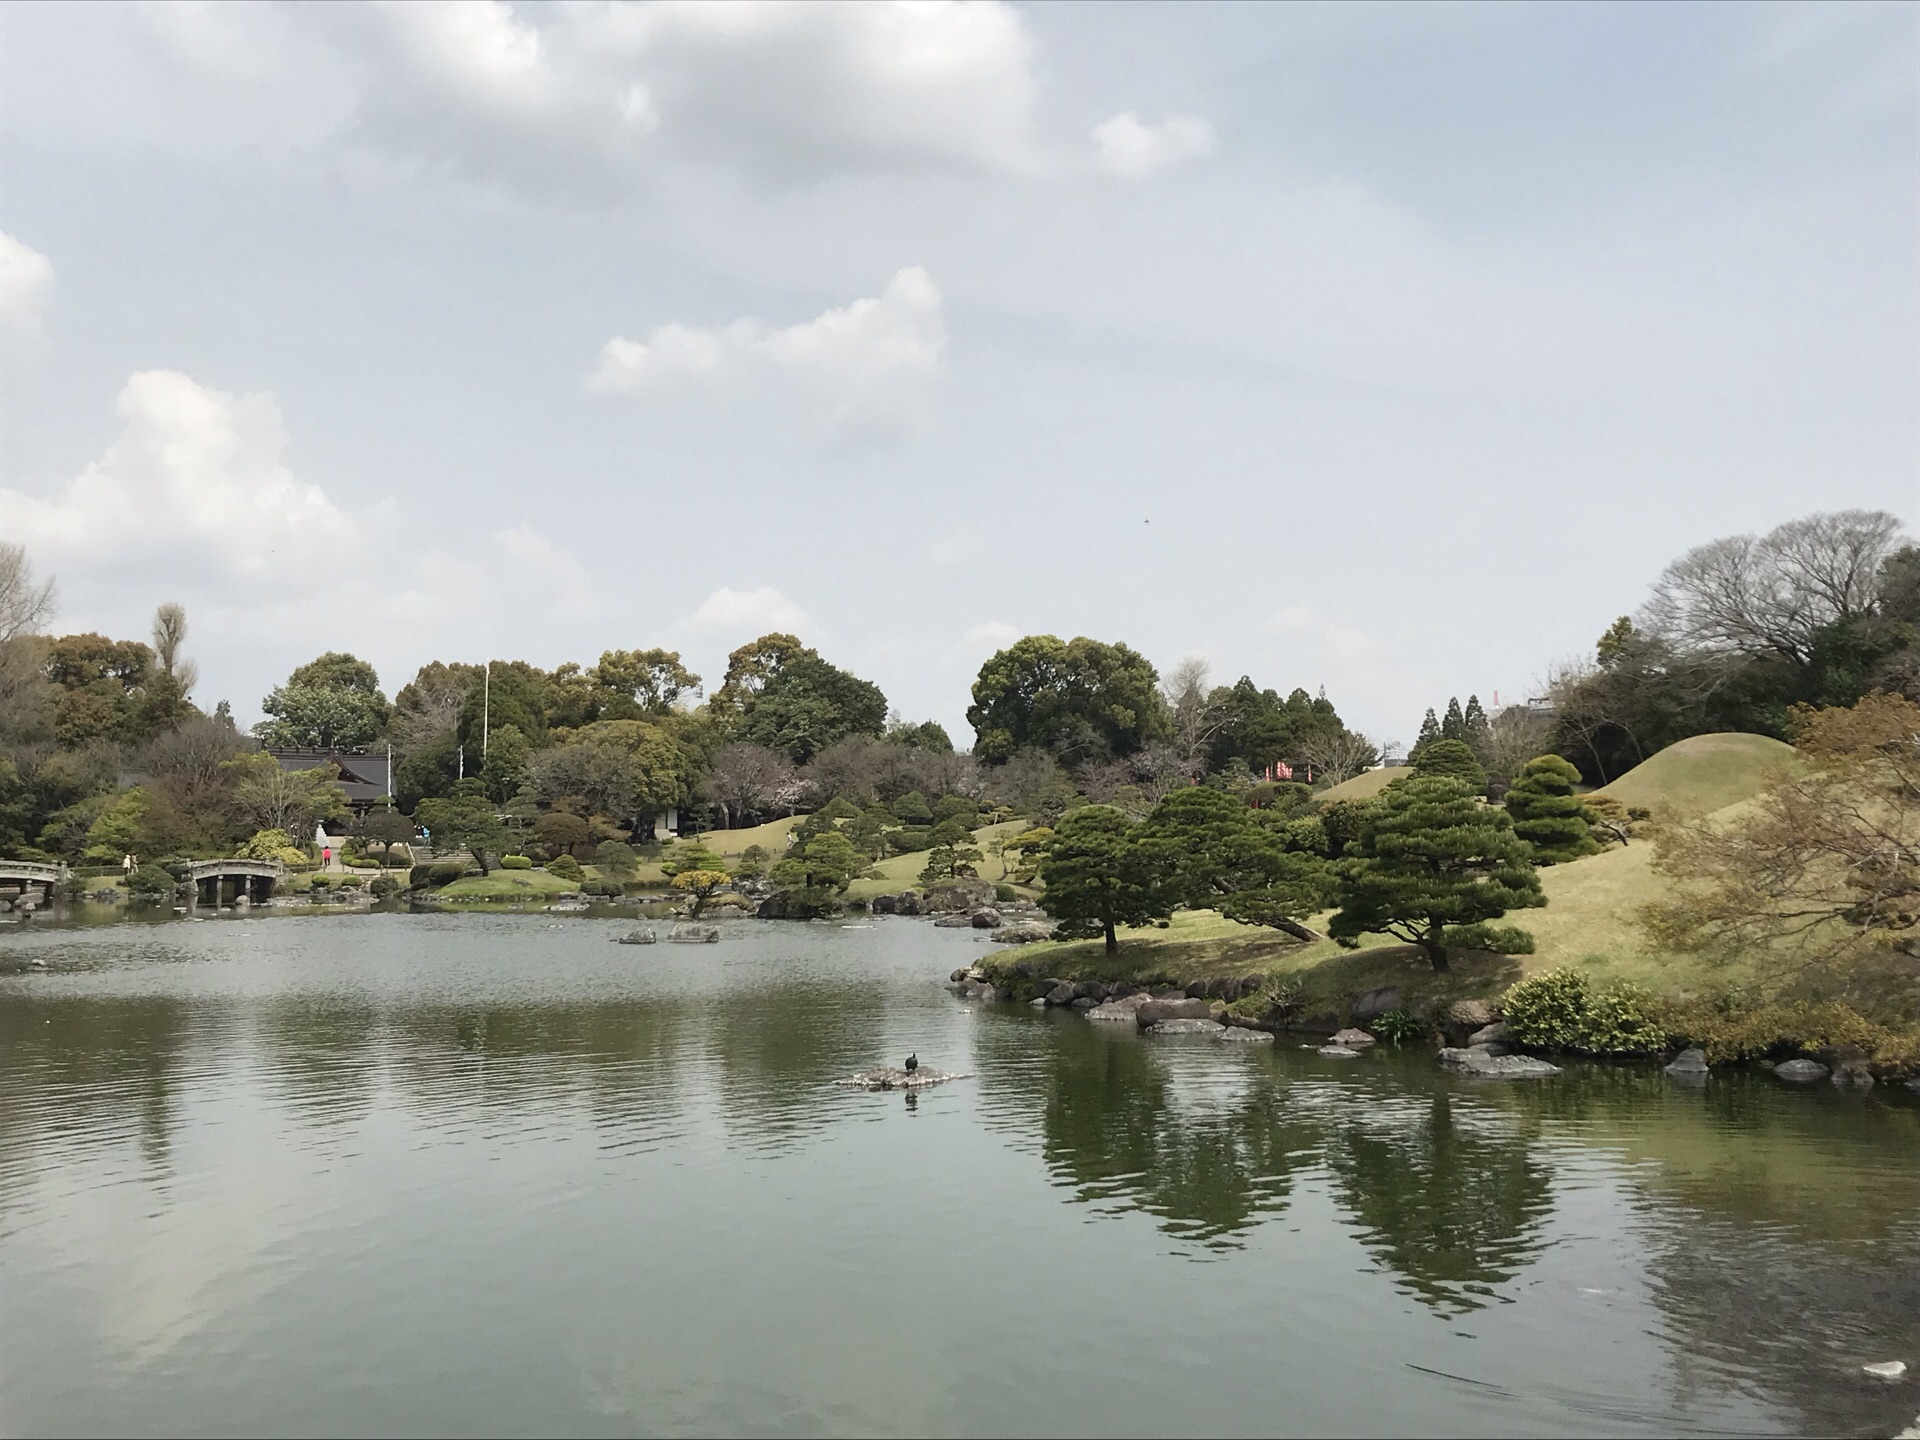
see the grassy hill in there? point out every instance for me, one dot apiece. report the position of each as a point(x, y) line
point(1700, 775)
point(1591, 920)
point(1365, 785)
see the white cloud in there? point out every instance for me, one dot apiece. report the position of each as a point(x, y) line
point(1132, 149)
point(586, 98)
point(866, 361)
point(987, 637)
point(197, 476)
point(26, 285)
point(536, 565)
point(760, 610)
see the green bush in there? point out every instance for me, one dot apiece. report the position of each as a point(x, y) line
point(607, 888)
point(515, 862)
point(1005, 892)
point(382, 887)
point(319, 883)
point(1564, 1010)
point(1397, 1027)
point(1500, 939)
point(420, 876)
point(1732, 1028)
point(566, 867)
point(445, 872)
point(150, 882)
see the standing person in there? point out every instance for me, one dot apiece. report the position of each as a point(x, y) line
point(126, 864)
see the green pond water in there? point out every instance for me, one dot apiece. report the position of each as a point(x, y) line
point(397, 1174)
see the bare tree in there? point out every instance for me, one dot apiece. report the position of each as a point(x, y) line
point(1195, 719)
point(169, 634)
point(747, 780)
point(1772, 594)
point(24, 606)
point(1336, 755)
point(426, 712)
point(1512, 738)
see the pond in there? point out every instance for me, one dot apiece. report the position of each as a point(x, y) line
point(427, 1174)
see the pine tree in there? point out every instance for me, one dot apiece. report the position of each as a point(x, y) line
point(1455, 760)
point(1098, 876)
point(1547, 814)
point(1454, 727)
point(1429, 732)
point(1476, 718)
point(1431, 856)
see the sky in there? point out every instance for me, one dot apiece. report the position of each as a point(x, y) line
point(1388, 349)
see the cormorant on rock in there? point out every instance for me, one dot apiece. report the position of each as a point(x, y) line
point(913, 1063)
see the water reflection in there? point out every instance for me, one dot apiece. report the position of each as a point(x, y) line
point(1453, 1206)
point(242, 1126)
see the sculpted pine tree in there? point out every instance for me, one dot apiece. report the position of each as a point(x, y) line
point(1430, 856)
point(1547, 814)
point(1213, 852)
point(1098, 876)
point(1452, 758)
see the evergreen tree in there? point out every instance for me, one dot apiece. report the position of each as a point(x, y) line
point(1429, 732)
point(1214, 852)
point(1098, 875)
point(1430, 856)
point(1454, 727)
point(1454, 759)
point(1477, 724)
point(1547, 814)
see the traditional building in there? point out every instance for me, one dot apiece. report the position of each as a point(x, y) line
point(365, 776)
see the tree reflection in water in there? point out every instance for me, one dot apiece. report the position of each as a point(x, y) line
point(1455, 1209)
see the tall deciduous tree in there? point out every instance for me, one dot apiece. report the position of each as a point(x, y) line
point(1428, 856)
point(1099, 877)
point(1078, 699)
point(333, 702)
point(1547, 814)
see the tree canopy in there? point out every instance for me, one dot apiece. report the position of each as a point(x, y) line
point(1079, 700)
point(1098, 876)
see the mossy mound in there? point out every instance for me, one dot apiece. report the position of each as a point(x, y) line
point(1701, 774)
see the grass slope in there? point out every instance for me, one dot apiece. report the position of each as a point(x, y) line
point(1365, 785)
point(902, 872)
point(1700, 775)
point(527, 885)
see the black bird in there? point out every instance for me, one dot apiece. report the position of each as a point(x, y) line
point(913, 1063)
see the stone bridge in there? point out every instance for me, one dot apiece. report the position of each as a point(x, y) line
point(28, 879)
point(219, 882)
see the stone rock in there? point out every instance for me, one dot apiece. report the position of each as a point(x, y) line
point(1084, 1002)
point(986, 918)
point(686, 933)
point(1849, 1064)
point(953, 922)
point(963, 895)
point(1154, 1012)
point(1350, 1038)
point(639, 937)
point(892, 1077)
point(1495, 1034)
point(1241, 1034)
point(963, 973)
point(1090, 989)
point(1800, 1072)
point(1061, 994)
point(1200, 989)
point(1026, 932)
point(1338, 1052)
point(1479, 1060)
point(1886, 1369)
point(1185, 1026)
point(1914, 1084)
point(1470, 1015)
point(1372, 1004)
point(1125, 1008)
point(1688, 1062)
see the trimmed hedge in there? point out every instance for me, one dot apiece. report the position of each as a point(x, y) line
point(1564, 1010)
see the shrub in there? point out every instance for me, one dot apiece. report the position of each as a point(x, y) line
point(566, 867)
point(604, 888)
point(382, 887)
point(318, 883)
point(1005, 892)
point(150, 882)
point(1500, 939)
point(1730, 1028)
point(420, 876)
point(1564, 1010)
point(1397, 1027)
point(445, 872)
point(515, 862)
point(396, 860)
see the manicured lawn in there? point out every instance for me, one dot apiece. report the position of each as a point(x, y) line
point(902, 872)
point(1701, 775)
point(528, 885)
point(1364, 786)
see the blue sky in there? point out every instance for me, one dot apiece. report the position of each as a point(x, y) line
point(1390, 349)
